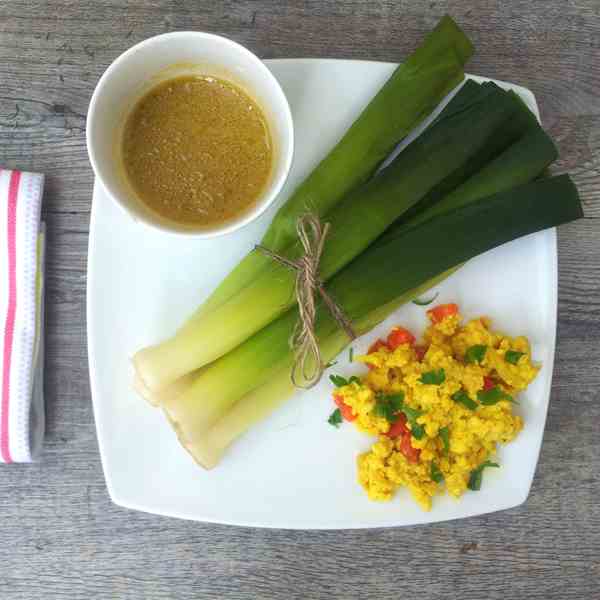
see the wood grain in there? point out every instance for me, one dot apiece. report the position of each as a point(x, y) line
point(62, 537)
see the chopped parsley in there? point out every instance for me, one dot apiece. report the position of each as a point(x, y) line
point(335, 418)
point(493, 396)
point(477, 475)
point(475, 354)
point(383, 409)
point(436, 474)
point(330, 364)
point(388, 407)
point(417, 430)
point(463, 398)
point(396, 400)
point(445, 435)
point(412, 414)
point(351, 354)
point(435, 377)
point(340, 381)
point(512, 356)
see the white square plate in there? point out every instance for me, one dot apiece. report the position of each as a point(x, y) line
point(294, 470)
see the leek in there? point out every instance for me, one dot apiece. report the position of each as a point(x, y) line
point(476, 125)
point(375, 279)
point(411, 93)
point(520, 163)
point(172, 391)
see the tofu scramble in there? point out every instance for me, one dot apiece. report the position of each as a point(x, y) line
point(438, 409)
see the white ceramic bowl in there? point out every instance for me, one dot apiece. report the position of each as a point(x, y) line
point(162, 57)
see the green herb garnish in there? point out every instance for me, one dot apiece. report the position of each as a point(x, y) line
point(417, 430)
point(351, 354)
point(396, 400)
point(493, 396)
point(436, 474)
point(412, 414)
point(435, 377)
point(477, 475)
point(388, 407)
point(420, 302)
point(445, 435)
point(475, 354)
point(383, 409)
point(335, 418)
point(512, 356)
point(463, 398)
point(340, 381)
point(330, 364)
point(387, 412)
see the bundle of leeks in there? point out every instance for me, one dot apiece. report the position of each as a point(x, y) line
point(410, 95)
point(459, 189)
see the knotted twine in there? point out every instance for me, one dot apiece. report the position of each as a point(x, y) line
point(303, 341)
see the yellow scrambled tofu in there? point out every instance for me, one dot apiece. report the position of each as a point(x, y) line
point(438, 409)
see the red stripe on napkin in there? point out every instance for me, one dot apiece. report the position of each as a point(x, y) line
point(13, 193)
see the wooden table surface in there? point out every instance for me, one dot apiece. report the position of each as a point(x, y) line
point(61, 535)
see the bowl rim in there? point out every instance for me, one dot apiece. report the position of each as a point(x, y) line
point(279, 100)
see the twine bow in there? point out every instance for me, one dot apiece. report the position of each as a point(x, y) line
point(307, 355)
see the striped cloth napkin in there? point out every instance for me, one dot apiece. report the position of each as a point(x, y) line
point(21, 316)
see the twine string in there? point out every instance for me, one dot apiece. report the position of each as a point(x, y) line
point(307, 355)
